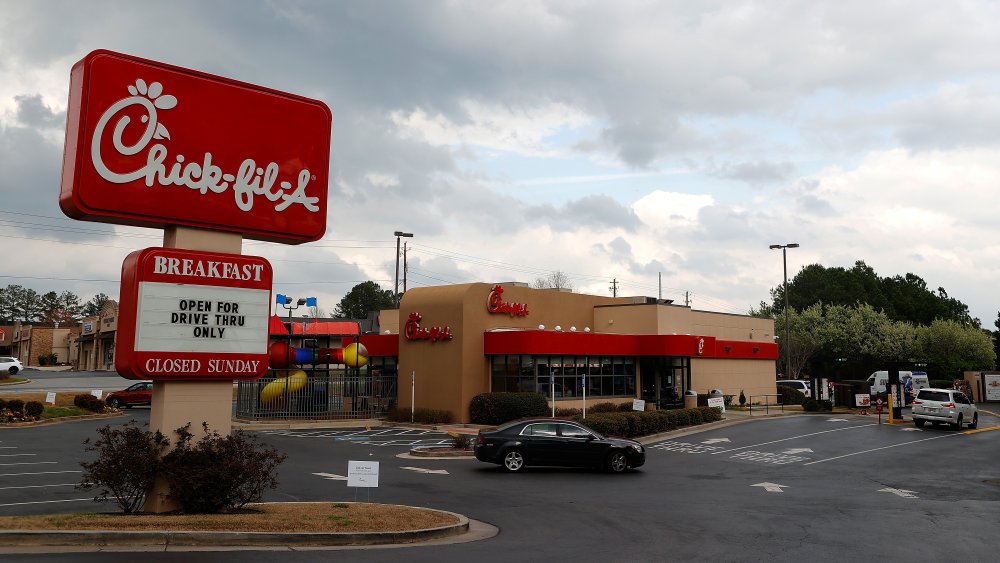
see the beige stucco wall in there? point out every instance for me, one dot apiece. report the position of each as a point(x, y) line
point(753, 377)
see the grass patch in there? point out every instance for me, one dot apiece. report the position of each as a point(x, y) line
point(284, 517)
point(11, 380)
point(61, 412)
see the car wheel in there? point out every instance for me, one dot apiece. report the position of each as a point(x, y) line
point(115, 402)
point(975, 421)
point(513, 461)
point(958, 423)
point(12, 370)
point(919, 422)
point(617, 462)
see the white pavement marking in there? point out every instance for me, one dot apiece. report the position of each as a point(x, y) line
point(685, 447)
point(422, 470)
point(795, 438)
point(882, 448)
point(331, 476)
point(793, 451)
point(770, 487)
point(910, 430)
point(836, 420)
point(14, 455)
point(48, 501)
point(716, 440)
point(28, 463)
point(899, 492)
point(38, 473)
point(40, 486)
point(768, 457)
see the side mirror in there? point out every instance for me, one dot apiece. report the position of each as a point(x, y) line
point(591, 437)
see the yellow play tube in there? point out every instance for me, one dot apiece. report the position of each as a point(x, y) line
point(277, 388)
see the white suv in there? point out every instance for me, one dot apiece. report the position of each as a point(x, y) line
point(944, 405)
point(797, 384)
point(10, 365)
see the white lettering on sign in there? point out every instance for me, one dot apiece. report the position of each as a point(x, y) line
point(233, 366)
point(171, 365)
point(206, 269)
point(249, 181)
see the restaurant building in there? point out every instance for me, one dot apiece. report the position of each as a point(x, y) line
point(457, 341)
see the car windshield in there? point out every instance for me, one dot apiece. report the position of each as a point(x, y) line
point(940, 396)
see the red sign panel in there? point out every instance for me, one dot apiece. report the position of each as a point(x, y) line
point(190, 315)
point(153, 145)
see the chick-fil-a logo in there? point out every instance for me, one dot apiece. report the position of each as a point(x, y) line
point(496, 305)
point(413, 331)
point(249, 180)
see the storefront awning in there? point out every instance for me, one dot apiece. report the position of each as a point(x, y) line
point(537, 342)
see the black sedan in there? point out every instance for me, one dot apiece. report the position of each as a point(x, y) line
point(553, 441)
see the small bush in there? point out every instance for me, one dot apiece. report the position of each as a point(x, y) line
point(636, 423)
point(811, 405)
point(743, 398)
point(603, 407)
point(128, 460)
point(89, 402)
point(34, 409)
point(15, 406)
point(566, 413)
point(420, 416)
point(219, 472)
point(3, 404)
point(43, 360)
point(791, 396)
point(498, 408)
point(461, 441)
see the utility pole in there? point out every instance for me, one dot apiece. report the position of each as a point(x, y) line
point(687, 298)
point(614, 287)
point(405, 269)
point(659, 285)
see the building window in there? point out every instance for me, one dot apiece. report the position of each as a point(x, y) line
point(605, 376)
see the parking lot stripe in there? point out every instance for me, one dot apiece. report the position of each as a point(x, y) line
point(882, 448)
point(39, 473)
point(47, 501)
point(792, 438)
point(28, 463)
point(40, 486)
point(978, 430)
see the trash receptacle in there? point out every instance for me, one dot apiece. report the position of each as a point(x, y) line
point(690, 399)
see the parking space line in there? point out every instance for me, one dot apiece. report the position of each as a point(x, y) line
point(28, 463)
point(882, 448)
point(39, 473)
point(48, 501)
point(40, 486)
point(793, 438)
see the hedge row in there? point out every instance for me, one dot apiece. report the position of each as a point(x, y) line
point(420, 416)
point(498, 408)
point(642, 423)
point(89, 402)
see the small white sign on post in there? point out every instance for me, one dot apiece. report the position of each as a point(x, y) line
point(862, 400)
point(638, 405)
point(717, 402)
point(50, 398)
point(97, 393)
point(362, 474)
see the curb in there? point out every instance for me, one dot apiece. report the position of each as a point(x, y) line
point(168, 539)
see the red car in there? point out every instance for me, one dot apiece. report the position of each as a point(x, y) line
point(139, 394)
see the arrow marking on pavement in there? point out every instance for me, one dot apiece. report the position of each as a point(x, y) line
point(836, 420)
point(331, 476)
point(899, 492)
point(793, 451)
point(770, 487)
point(422, 470)
point(910, 430)
point(716, 440)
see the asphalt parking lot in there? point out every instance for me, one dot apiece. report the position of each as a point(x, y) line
point(777, 489)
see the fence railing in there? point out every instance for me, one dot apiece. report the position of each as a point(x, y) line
point(320, 398)
point(766, 403)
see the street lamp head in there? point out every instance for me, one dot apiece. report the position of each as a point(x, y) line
point(793, 245)
point(775, 246)
point(402, 234)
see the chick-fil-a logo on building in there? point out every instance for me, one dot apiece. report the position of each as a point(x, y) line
point(413, 331)
point(496, 305)
point(154, 145)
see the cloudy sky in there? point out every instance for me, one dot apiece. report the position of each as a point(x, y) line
point(606, 140)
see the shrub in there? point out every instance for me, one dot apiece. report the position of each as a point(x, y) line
point(128, 460)
point(743, 398)
point(566, 413)
point(498, 408)
point(420, 416)
point(811, 405)
point(219, 472)
point(89, 402)
point(43, 360)
point(34, 409)
point(636, 423)
point(791, 396)
point(3, 404)
point(461, 441)
point(603, 407)
point(710, 414)
point(15, 406)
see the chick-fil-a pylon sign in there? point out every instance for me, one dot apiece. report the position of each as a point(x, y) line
point(191, 315)
point(154, 145)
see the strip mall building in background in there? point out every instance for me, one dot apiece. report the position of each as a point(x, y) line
point(457, 341)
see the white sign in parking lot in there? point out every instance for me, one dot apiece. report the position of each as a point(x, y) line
point(717, 402)
point(362, 474)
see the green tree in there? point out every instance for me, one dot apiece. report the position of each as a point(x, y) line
point(93, 307)
point(364, 297)
point(954, 348)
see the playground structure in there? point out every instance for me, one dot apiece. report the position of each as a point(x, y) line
point(318, 372)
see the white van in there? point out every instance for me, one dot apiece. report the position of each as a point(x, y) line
point(912, 381)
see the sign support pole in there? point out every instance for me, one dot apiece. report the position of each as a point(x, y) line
point(413, 393)
point(178, 403)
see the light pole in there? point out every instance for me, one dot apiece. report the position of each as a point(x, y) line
point(399, 235)
point(788, 339)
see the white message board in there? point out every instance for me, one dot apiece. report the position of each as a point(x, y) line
point(362, 474)
point(992, 381)
point(97, 393)
point(638, 405)
point(50, 398)
point(862, 400)
point(718, 403)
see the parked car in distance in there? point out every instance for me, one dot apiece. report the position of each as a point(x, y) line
point(137, 394)
point(556, 442)
point(10, 365)
point(944, 406)
point(797, 384)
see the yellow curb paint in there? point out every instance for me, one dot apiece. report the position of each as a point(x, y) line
point(978, 430)
point(990, 412)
